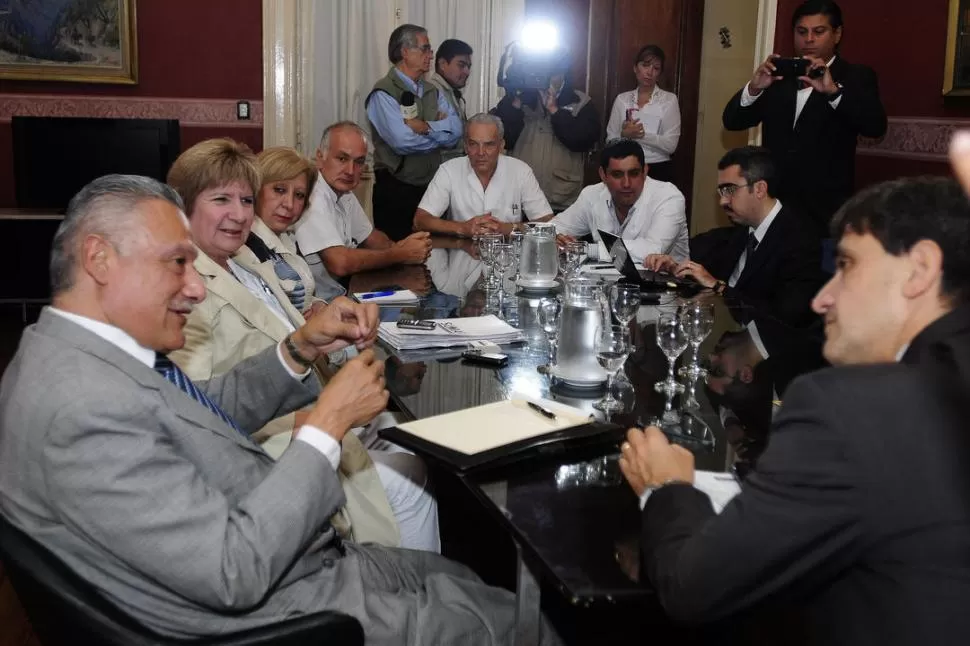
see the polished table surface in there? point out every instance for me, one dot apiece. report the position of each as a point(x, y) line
point(571, 516)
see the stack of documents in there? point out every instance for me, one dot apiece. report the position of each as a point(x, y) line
point(474, 430)
point(450, 332)
point(388, 297)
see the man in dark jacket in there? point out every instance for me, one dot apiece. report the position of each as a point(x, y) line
point(811, 123)
point(856, 518)
point(771, 259)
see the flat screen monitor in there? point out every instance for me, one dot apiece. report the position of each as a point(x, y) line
point(55, 156)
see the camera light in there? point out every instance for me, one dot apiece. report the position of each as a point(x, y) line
point(539, 36)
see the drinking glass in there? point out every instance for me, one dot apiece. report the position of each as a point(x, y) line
point(625, 302)
point(485, 243)
point(503, 257)
point(515, 239)
point(672, 340)
point(698, 321)
point(548, 312)
point(612, 350)
point(570, 258)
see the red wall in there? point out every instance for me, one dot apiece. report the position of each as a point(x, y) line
point(905, 43)
point(192, 49)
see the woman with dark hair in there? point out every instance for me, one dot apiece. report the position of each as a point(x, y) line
point(648, 115)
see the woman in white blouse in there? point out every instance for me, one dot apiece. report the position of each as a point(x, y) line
point(648, 115)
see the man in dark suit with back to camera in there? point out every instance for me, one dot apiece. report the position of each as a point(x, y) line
point(771, 259)
point(147, 485)
point(811, 123)
point(856, 519)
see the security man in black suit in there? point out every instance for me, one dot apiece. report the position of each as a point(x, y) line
point(771, 259)
point(811, 123)
point(855, 521)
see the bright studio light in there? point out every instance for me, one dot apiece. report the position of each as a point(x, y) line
point(539, 36)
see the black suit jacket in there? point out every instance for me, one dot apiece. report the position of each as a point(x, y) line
point(815, 155)
point(780, 278)
point(856, 518)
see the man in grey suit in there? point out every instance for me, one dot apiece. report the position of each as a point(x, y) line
point(164, 505)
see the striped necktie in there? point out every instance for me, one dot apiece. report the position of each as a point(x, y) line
point(175, 375)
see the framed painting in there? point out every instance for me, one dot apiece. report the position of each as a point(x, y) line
point(956, 74)
point(85, 41)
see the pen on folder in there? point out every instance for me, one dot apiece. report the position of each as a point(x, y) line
point(545, 412)
point(364, 297)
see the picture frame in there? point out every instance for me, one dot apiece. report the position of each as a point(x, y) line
point(956, 73)
point(79, 41)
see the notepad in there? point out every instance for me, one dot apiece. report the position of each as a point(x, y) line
point(482, 428)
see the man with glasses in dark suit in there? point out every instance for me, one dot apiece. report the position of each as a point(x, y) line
point(770, 259)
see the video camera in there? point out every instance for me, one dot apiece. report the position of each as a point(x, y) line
point(527, 69)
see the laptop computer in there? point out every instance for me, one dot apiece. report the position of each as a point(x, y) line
point(647, 279)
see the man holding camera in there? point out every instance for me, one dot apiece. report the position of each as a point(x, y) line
point(812, 113)
point(551, 130)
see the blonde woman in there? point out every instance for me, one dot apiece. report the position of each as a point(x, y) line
point(247, 310)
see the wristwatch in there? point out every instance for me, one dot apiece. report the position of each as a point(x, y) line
point(719, 287)
point(836, 94)
point(294, 353)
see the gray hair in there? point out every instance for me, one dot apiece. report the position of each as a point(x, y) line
point(340, 125)
point(403, 36)
point(104, 207)
point(488, 119)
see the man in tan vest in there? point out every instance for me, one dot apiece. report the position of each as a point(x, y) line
point(411, 122)
point(551, 130)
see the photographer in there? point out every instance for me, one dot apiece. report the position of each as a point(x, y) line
point(551, 130)
point(812, 113)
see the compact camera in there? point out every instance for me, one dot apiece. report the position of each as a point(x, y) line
point(792, 68)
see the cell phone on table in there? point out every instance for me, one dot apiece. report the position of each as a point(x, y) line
point(485, 358)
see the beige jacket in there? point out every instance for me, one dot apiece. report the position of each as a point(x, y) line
point(231, 325)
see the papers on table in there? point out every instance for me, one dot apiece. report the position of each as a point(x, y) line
point(388, 297)
point(482, 428)
point(720, 488)
point(450, 332)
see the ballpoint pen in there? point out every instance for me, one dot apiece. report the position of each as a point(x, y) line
point(364, 297)
point(545, 412)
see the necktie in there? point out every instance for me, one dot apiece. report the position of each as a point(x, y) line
point(175, 375)
point(751, 246)
point(297, 294)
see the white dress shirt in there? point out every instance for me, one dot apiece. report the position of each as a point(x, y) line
point(329, 221)
point(660, 119)
point(800, 99)
point(313, 436)
point(656, 223)
point(759, 235)
point(512, 192)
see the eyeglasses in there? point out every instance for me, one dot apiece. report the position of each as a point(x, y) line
point(426, 49)
point(728, 190)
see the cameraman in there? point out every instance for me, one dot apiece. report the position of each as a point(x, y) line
point(551, 130)
point(811, 123)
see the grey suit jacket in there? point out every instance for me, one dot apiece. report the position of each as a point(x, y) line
point(175, 517)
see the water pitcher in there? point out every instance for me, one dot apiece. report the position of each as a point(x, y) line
point(540, 258)
point(583, 312)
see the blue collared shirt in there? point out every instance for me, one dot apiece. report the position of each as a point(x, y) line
point(385, 115)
